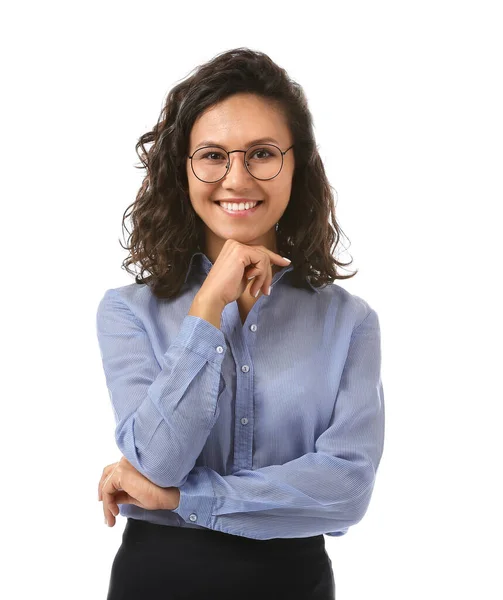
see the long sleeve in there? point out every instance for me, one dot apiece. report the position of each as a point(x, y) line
point(325, 491)
point(164, 413)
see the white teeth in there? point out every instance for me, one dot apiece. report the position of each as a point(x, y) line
point(235, 206)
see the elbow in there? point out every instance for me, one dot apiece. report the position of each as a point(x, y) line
point(359, 506)
point(359, 498)
point(160, 471)
point(160, 474)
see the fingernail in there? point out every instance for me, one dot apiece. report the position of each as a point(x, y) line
point(258, 292)
point(106, 522)
point(284, 258)
point(252, 277)
point(269, 291)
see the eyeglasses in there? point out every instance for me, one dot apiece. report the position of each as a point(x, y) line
point(212, 163)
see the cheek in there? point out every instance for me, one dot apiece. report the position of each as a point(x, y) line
point(282, 191)
point(197, 189)
point(200, 195)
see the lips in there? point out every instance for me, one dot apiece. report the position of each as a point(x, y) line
point(237, 201)
point(233, 203)
point(239, 213)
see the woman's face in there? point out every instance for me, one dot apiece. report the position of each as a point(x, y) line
point(233, 124)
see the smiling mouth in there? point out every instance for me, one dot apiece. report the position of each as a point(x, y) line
point(244, 211)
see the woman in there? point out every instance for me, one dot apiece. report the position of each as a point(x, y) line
point(245, 384)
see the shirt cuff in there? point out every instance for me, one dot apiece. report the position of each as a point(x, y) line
point(197, 498)
point(202, 337)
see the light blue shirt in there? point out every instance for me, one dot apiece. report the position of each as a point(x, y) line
point(271, 429)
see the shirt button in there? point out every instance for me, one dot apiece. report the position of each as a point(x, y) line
point(253, 327)
point(244, 421)
point(193, 517)
point(220, 349)
point(245, 368)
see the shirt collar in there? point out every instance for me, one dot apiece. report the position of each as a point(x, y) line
point(200, 262)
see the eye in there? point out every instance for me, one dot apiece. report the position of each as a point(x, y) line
point(213, 154)
point(262, 151)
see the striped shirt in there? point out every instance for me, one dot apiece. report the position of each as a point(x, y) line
point(270, 429)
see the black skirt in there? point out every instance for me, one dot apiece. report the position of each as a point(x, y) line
point(159, 562)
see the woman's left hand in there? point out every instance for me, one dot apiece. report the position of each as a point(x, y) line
point(121, 483)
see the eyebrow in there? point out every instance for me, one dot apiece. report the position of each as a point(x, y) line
point(250, 143)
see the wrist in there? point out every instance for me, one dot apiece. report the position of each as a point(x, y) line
point(202, 300)
point(207, 310)
point(176, 500)
point(170, 498)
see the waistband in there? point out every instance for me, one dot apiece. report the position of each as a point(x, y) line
point(142, 531)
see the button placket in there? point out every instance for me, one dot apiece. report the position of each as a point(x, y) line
point(241, 343)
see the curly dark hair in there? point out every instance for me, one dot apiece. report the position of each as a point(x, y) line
point(166, 229)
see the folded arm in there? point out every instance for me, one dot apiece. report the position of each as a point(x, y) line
point(325, 491)
point(164, 413)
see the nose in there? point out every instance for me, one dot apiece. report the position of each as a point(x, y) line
point(237, 170)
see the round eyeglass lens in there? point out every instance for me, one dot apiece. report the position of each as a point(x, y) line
point(264, 161)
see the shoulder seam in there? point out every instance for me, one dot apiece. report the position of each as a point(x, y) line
point(363, 320)
point(138, 321)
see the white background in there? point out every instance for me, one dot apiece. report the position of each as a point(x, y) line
point(407, 104)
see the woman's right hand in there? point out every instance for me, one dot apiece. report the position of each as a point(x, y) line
point(236, 264)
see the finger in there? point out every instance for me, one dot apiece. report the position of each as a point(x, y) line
point(112, 502)
point(249, 272)
point(266, 288)
point(109, 507)
point(276, 258)
point(121, 497)
point(110, 488)
point(264, 270)
point(260, 269)
point(105, 474)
